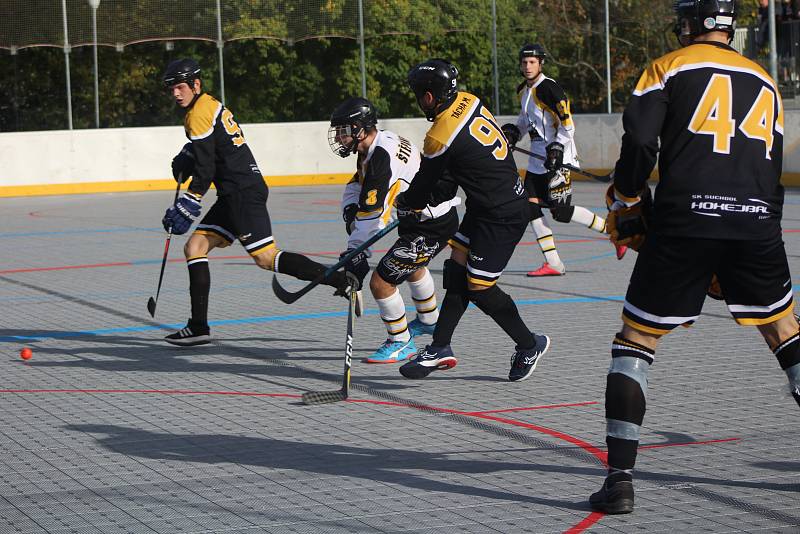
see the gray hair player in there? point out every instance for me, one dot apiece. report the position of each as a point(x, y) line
point(545, 115)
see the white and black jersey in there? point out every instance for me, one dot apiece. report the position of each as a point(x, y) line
point(387, 170)
point(545, 114)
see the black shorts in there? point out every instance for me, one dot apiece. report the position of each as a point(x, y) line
point(489, 240)
point(538, 186)
point(240, 215)
point(672, 275)
point(416, 246)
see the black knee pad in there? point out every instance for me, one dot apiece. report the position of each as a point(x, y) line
point(562, 213)
point(625, 400)
point(534, 211)
point(454, 276)
point(489, 301)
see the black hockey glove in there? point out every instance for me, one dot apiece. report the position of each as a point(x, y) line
point(404, 212)
point(179, 218)
point(627, 219)
point(357, 266)
point(183, 163)
point(512, 133)
point(349, 216)
point(555, 156)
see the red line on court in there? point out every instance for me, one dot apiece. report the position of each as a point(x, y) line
point(706, 442)
point(584, 524)
point(543, 407)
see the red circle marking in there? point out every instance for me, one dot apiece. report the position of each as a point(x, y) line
point(578, 528)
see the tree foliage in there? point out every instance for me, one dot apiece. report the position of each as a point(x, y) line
point(305, 58)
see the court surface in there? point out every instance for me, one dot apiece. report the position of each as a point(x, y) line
point(107, 429)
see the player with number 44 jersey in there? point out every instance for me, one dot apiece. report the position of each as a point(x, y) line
point(717, 212)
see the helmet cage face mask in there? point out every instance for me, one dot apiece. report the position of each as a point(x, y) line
point(343, 138)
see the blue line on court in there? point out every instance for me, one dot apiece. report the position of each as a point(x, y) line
point(272, 318)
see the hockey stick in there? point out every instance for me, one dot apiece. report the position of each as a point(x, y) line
point(288, 297)
point(151, 304)
point(324, 397)
point(577, 170)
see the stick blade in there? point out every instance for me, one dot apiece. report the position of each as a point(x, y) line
point(151, 306)
point(323, 397)
point(284, 296)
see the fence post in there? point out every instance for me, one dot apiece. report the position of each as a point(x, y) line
point(494, 60)
point(773, 42)
point(361, 43)
point(94, 5)
point(608, 59)
point(220, 46)
point(66, 63)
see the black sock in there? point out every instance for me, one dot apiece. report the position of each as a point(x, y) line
point(304, 268)
point(454, 305)
point(199, 287)
point(498, 305)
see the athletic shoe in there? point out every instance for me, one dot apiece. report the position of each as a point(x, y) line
point(523, 362)
point(621, 250)
point(190, 335)
point(393, 352)
point(616, 498)
point(547, 270)
point(428, 360)
point(418, 328)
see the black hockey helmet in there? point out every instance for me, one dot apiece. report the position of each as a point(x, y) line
point(349, 119)
point(437, 76)
point(533, 50)
point(181, 70)
point(695, 17)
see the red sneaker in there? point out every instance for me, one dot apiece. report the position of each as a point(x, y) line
point(546, 270)
point(621, 250)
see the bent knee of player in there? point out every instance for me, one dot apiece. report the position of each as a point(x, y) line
point(266, 259)
point(647, 339)
point(458, 256)
point(776, 332)
point(197, 245)
point(379, 287)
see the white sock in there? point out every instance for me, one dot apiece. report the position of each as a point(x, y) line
point(393, 313)
point(423, 293)
point(544, 236)
point(589, 219)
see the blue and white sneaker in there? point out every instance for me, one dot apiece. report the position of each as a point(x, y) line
point(393, 352)
point(428, 360)
point(418, 328)
point(523, 362)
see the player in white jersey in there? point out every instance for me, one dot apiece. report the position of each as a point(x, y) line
point(386, 165)
point(545, 115)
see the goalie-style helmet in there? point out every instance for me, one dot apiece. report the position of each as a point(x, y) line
point(348, 120)
point(695, 17)
point(437, 76)
point(181, 70)
point(533, 50)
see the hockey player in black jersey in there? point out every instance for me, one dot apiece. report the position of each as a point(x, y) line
point(717, 210)
point(466, 142)
point(217, 153)
point(386, 165)
point(545, 115)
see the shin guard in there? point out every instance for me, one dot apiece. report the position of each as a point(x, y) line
point(454, 304)
point(498, 305)
point(199, 288)
point(788, 355)
point(626, 394)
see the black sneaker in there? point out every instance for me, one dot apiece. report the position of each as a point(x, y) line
point(616, 498)
point(523, 362)
point(428, 360)
point(190, 335)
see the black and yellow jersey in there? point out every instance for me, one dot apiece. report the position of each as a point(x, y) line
point(719, 118)
point(466, 142)
point(222, 156)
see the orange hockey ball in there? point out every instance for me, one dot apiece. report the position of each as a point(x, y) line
point(26, 353)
